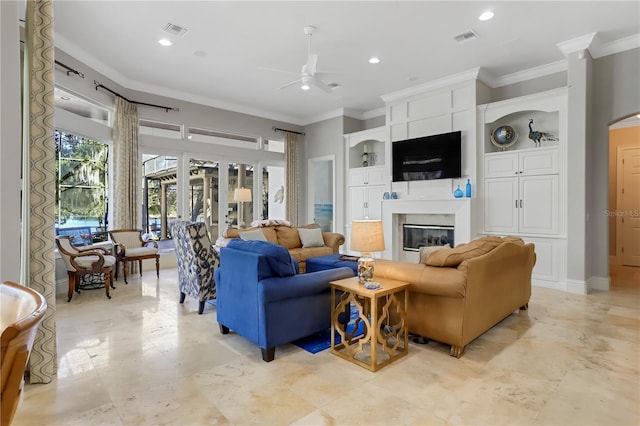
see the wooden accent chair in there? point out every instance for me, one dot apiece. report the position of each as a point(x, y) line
point(80, 261)
point(22, 310)
point(129, 247)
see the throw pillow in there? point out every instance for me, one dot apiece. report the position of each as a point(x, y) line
point(255, 235)
point(311, 237)
point(425, 252)
point(455, 256)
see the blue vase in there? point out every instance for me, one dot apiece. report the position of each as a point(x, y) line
point(468, 188)
point(458, 192)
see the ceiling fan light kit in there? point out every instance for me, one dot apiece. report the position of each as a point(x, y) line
point(309, 76)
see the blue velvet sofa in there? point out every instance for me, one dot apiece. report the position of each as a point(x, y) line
point(263, 298)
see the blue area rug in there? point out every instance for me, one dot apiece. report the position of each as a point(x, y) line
point(320, 341)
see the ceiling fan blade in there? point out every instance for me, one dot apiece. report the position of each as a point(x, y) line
point(290, 84)
point(312, 60)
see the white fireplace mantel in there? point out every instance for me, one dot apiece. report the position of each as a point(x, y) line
point(460, 208)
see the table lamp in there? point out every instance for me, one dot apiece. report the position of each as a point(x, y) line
point(366, 237)
point(241, 196)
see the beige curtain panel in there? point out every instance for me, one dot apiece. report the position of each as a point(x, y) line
point(38, 131)
point(126, 175)
point(291, 180)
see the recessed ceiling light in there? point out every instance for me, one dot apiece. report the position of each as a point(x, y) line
point(486, 16)
point(305, 87)
point(374, 60)
point(164, 42)
point(65, 98)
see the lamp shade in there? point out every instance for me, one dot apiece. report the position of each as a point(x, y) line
point(367, 236)
point(242, 194)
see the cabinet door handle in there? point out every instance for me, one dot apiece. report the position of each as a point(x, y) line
point(520, 203)
point(516, 204)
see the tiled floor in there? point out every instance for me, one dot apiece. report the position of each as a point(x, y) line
point(142, 358)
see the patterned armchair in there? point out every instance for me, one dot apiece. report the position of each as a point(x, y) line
point(197, 261)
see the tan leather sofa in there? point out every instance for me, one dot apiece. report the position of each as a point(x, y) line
point(288, 236)
point(462, 292)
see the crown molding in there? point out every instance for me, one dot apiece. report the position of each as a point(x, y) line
point(432, 85)
point(616, 46)
point(596, 47)
point(576, 44)
point(374, 113)
point(531, 73)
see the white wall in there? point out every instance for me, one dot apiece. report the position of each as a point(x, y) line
point(577, 148)
point(615, 94)
point(322, 139)
point(10, 142)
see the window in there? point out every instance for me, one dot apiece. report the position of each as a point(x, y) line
point(82, 184)
point(160, 194)
point(222, 138)
point(274, 146)
point(159, 128)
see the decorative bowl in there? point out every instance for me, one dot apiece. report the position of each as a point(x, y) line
point(504, 137)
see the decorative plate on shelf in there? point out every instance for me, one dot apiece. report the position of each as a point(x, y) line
point(504, 137)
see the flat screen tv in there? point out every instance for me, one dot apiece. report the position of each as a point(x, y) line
point(428, 157)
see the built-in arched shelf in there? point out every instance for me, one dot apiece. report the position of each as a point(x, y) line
point(370, 142)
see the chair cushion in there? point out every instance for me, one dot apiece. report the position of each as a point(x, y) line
point(278, 257)
point(86, 261)
point(140, 251)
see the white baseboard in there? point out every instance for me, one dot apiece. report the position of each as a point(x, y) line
point(576, 286)
point(554, 285)
point(599, 283)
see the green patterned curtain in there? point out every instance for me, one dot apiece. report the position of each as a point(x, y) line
point(126, 165)
point(291, 179)
point(40, 176)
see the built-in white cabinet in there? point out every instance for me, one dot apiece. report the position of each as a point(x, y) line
point(522, 192)
point(524, 186)
point(365, 202)
point(367, 178)
point(542, 161)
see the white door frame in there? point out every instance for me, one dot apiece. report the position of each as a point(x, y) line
point(620, 212)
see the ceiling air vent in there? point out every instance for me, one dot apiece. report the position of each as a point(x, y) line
point(174, 29)
point(469, 35)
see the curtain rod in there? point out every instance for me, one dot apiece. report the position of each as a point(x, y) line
point(100, 86)
point(276, 129)
point(70, 70)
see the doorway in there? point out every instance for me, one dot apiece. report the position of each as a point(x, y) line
point(624, 201)
point(624, 175)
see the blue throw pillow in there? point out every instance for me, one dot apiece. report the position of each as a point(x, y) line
point(278, 257)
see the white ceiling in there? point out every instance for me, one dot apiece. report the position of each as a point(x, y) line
point(414, 41)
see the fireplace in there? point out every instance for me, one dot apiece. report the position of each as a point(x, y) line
point(415, 236)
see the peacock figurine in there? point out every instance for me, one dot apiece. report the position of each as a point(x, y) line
point(537, 137)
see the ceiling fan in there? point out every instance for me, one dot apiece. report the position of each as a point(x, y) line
point(309, 76)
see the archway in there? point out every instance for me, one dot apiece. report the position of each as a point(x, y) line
point(623, 208)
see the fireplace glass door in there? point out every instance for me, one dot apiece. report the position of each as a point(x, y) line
point(416, 236)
